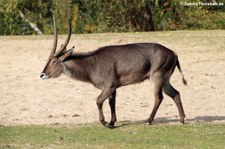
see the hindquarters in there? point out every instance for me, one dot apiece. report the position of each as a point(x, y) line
point(160, 77)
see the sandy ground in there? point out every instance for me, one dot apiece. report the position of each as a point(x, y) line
point(26, 99)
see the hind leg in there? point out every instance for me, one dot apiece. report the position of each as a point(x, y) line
point(157, 81)
point(175, 95)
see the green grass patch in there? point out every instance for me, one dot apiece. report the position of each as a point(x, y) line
point(129, 136)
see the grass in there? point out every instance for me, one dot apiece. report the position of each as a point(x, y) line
point(131, 136)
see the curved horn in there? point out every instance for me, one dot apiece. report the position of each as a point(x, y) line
point(63, 46)
point(55, 37)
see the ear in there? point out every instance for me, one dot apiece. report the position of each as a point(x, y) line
point(66, 54)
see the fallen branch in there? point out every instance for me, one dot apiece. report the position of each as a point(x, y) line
point(32, 25)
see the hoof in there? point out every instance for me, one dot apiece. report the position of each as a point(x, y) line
point(148, 122)
point(110, 125)
point(182, 121)
point(103, 122)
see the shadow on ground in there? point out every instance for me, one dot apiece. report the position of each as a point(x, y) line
point(168, 120)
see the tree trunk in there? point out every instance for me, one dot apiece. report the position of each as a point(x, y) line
point(151, 22)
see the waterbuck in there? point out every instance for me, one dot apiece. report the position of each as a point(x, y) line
point(111, 67)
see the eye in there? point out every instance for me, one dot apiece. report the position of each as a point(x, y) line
point(53, 61)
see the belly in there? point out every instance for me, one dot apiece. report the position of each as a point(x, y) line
point(134, 75)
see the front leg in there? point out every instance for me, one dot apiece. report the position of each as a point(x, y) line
point(100, 100)
point(112, 104)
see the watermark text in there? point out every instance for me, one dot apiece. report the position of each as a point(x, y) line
point(202, 4)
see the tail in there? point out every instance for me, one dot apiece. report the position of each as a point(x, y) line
point(180, 70)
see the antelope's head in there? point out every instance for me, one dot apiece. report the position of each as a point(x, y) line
point(55, 66)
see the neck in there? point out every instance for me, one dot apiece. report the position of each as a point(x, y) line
point(79, 69)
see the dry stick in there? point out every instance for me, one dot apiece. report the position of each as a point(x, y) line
point(32, 25)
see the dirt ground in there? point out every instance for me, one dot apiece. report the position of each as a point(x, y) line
point(26, 99)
